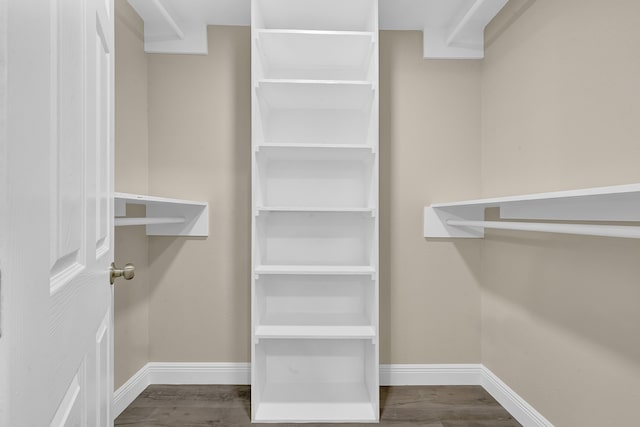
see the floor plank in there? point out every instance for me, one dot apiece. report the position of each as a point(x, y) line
point(229, 406)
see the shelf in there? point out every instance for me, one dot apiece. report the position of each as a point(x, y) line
point(342, 326)
point(339, 15)
point(321, 127)
point(164, 216)
point(316, 380)
point(315, 269)
point(338, 210)
point(314, 238)
point(338, 402)
point(611, 204)
point(295, 178)
point(295, 146)
point(315, 94)
point(318, 55)
point(314, 152)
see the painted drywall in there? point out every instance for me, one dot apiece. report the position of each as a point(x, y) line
point(560, 104)
point(131, 304)
point(200, 148)
point(429, 152)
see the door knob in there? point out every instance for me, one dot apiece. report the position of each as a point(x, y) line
point(127, 272)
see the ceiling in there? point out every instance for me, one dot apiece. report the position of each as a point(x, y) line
point(452, 28)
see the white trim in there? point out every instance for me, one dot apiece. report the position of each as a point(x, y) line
point(199, 373)
point(511, 401)
point(457, 374)
point(128, 391)
point(240, 373)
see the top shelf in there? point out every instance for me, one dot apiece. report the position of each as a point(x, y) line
point(614, 203)
point(338, 15)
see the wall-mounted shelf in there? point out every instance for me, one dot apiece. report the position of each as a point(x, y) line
point(610, 204)
point(164, 217)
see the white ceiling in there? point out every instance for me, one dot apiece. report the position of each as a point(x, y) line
point(444, 22)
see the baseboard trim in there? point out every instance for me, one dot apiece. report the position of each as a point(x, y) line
point(240, 373)
point(199, 373)
point(128, 392)
point(511, 401)
point(457, 374)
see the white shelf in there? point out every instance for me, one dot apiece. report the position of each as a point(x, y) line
point(319, 126)
point(315, 269)
point(164, 216)
point(338, 15)
point(313, 152)
point(312, 209)
point(319, 326)
point(294, 146)
point(316, 55)
point(315, 94)
point(615, 203)
point(315, 177)
point(290, 402)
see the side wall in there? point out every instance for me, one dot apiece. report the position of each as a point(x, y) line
point(200, 130)
point(131, 305)
point(561, 101)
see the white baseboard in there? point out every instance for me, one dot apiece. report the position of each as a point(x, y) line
point(128, 392)
point(511, 401)
point(458, 374)
point(240, 373)
point(199, 373)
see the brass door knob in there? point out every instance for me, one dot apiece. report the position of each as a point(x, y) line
point(128, 272)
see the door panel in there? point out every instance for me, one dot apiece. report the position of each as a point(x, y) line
point(56, 312)
point(72, 410)
point(68, 139)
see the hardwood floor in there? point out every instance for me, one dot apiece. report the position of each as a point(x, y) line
point(229, 406)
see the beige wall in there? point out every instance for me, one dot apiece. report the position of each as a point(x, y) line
point(560, 317)
point(429, 152)
point(200, 130)
point(131, 306)
point(200, 133)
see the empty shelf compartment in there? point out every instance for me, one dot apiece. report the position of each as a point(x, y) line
point(315, 306)
point(316, 380)
point(323, 238)
point(315, 177)
point(315, 55)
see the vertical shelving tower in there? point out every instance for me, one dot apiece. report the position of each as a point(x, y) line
point(315, 211)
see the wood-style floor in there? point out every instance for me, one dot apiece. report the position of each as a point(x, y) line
point(229, 406)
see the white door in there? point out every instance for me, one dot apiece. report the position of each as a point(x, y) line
point(56, 118)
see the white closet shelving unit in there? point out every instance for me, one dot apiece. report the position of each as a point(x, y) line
point(315, 211)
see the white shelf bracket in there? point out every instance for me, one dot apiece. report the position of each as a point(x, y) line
point(462, 37)
point(167, 31)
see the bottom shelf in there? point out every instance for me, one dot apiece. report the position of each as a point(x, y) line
point(338, 402)
point(315, 380)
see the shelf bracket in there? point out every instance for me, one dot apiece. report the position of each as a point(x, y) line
point(462, 38)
